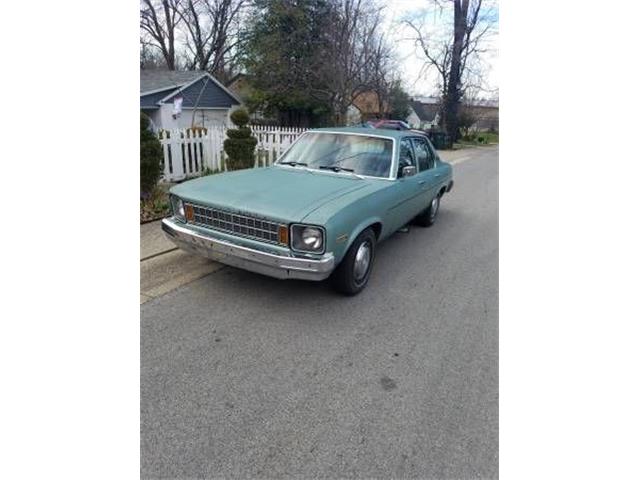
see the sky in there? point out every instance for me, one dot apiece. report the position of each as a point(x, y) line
point(410, 58)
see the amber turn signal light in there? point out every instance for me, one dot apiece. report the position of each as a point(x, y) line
point(283, 235)
point(188, 212)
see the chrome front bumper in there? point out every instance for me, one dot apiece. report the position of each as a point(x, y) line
point(271, 264)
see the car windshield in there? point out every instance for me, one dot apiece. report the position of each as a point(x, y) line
point(359, 154)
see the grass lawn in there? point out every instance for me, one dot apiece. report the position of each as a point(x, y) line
point(480, 138)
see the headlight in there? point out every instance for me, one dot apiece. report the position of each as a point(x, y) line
point(178, 207)
point(307, 238)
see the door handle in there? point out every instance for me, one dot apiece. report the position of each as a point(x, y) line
point(437, 175)
point(422, 182)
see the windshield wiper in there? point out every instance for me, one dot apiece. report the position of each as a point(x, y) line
point(293, 164)
point(335, 168)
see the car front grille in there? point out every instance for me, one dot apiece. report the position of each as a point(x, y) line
point(235, 224)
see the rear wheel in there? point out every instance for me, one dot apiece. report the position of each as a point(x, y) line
point(428, 217)
point(353, 273)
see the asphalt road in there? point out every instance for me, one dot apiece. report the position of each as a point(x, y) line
point(243, 376)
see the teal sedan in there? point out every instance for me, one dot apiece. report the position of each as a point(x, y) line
point(319, 211)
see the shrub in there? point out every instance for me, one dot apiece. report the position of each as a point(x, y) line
point(155, 205)
point(242, 132)
point(240, 145)
point(481, 140)
point(150, 157)
point(240, 117)
point(209, 171)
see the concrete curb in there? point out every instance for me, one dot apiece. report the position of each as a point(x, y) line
point(144, 222)
point(153, 241)
point(149, 257)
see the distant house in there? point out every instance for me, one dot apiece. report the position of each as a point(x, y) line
point(242, 89)
point(239, 86)
point(424, 113)
point(368, 105)
point(161, 91)
point(486, 114)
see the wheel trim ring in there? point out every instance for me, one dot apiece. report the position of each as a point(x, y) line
point(362, 262)
point(435, 204)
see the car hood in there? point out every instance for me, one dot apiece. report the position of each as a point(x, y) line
point(280, 193)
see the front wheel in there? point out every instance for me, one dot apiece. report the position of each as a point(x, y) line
point(428, 217)
point(353, 273)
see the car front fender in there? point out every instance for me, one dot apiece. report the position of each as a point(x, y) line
point(343, 241)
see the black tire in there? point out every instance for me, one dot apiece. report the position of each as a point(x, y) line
point(428, 217)
point(345, 278)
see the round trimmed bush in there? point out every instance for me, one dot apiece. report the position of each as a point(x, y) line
point(240, 117)
point(240, 146)
point(242, 132)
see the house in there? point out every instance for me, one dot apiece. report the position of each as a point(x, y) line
point(239, 86)
point(424, 113)
point(486, 115)
point(368, 105)
point(200, 93)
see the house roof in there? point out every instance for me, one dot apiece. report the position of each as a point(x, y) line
point(429, 100)
point(425, 111)
point(151, 100)
point(198, 88)
point(485, 103)
point(154, 80)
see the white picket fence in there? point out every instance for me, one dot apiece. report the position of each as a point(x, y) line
point(189, 152)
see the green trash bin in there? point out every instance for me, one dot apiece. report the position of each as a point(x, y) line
point(440, 140)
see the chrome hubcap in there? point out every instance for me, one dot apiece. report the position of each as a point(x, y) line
point(435, 203)
point(361, 264)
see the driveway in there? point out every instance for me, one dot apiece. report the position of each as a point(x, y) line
point(243, 376)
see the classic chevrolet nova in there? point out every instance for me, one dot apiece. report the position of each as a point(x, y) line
point(319, 211)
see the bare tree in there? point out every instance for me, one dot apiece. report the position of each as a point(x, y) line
point(150, 58)
point(455, 55)
point(212, 32)
point(356, 57)
point(159, 20)
point(381, 75)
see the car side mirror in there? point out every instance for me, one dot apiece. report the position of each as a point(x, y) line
point(408, 171)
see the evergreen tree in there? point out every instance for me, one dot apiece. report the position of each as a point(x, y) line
point(150, 156)
point(284, 59)
point(398, 102)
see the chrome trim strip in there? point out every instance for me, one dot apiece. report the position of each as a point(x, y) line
point(394, 160)
point(265, 263)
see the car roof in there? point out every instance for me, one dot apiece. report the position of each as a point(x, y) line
point(376, 132)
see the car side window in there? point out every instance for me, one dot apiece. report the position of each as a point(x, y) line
point(432, 154)
point(423, 154)
point(406, 155)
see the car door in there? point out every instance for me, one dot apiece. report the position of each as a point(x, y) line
point(441, 171)
point(428, 177)
point(407, 190)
